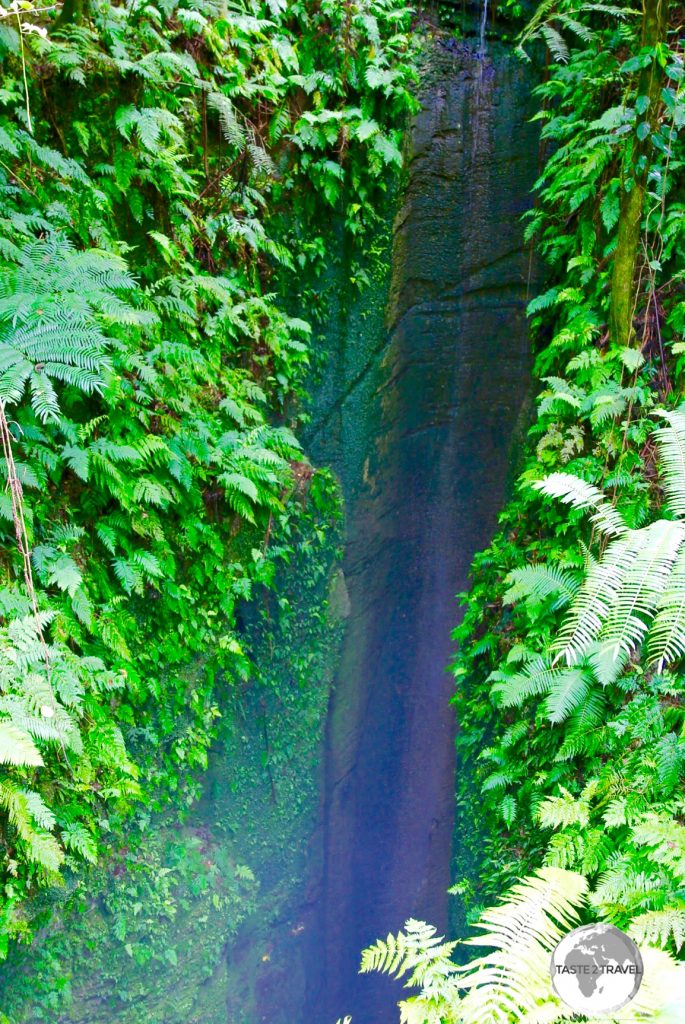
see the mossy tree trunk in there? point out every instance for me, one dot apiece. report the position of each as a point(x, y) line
point(634, 185)
point(73, 12)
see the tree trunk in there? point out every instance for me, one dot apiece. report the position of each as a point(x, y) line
point(623, 294)
point(73, 12)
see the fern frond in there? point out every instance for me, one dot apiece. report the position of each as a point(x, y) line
point(522, 932)
point(233, 129)
point(563, 811)
point(645, 580)
point(541, 582)
point(17, 747)
point(660, 927)
point(671, 442)
point(594, 601)
point(667, 634)
point(416, 951)
point(581, 495)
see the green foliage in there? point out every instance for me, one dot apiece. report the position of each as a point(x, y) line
point(569, 677)
point(162, 170)
point(511, 982)
point(143, 932)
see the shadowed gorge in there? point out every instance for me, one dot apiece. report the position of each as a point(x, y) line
point(424, 468)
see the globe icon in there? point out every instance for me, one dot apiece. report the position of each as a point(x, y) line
point(596, 969)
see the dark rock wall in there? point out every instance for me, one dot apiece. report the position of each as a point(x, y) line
point(422, 436)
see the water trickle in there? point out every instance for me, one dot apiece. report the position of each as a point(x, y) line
point(483, 28)
point(430, 424)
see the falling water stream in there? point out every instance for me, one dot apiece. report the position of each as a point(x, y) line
point(483, 29)
point(422, 441)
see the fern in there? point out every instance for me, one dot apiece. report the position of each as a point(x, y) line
point(667, 634)
point(564, 810)
point(660, 928)
point(16, 746)
point(540, 582)
point(671, 443)
point(414, 952)
point(553, 13)
point(565, 688)
point(582, 495)
point(233, 129)
point(636, 591)
point(52, 303)
point(511, 982)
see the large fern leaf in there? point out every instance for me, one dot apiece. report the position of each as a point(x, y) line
point(17, 747)
point(541, 582)
point(55, 304)
point(667, 634)
point(580, 494)
point(671, 442)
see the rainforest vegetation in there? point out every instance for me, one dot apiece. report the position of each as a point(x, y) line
point(174, 180)
point(176, 177)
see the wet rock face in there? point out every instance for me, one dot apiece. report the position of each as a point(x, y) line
point(443, 399)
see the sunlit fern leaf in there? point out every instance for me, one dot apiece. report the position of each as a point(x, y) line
point(43, 397)
point(622, 885)
point(76, 837)
point(636, 591)
point(42, 815)
point(671, 441)
point(665, 840)
point(39, 846)
point(565, 849)
point(660, 927)
point(541, 582)
point(563, 811)
point(54, 303)
point(588, 715)
point(45, 851)
point(512, 980)
point(645, 580)
point(38, 726)
point(564, 687)
point(594, 600)
point(667, 634)
point(670, 755)
point(581, 495)
point(17, 747)
point(414, 952)
point(231, 124)
point(570, 690)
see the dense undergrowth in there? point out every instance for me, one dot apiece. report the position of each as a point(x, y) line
point(569, 673)
point(168, 176)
